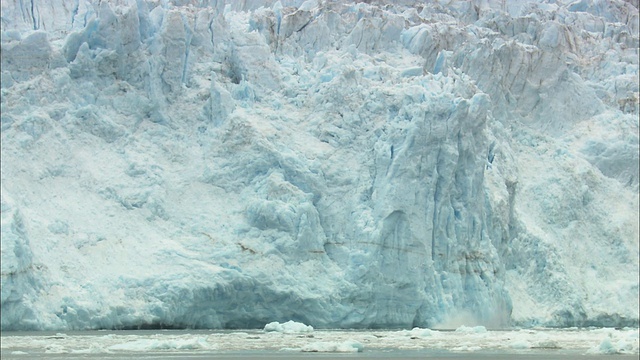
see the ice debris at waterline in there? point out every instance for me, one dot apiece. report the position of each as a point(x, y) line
point(345, 165)
point(549, 342)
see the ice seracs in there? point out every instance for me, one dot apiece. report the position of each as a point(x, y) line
point(231, 165)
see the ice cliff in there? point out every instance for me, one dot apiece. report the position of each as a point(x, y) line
point(229, 164)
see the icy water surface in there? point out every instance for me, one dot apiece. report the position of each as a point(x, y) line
point(464, 343)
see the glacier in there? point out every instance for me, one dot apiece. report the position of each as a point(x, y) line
point(229, 164)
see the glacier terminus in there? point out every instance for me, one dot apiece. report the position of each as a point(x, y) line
point(370, 164)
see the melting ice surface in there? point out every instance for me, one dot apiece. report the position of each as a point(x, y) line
point(343, 164)
point(298, 338)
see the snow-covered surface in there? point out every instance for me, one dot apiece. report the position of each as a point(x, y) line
point(530, 341)
point(228, 165)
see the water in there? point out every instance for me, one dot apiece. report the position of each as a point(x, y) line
point(466, 343)
point(390, 355)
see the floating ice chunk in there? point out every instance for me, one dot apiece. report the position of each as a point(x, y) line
point(547, 344)
point(153, 344)
point(605, 347)
point(466, 348)
point(290, 327)
point(273, 327)
point(55, 349)
point(520, 344)
point(625, 347)
point(290, 349)
point(419, 332)
point(347, 346)
point(93, 349)
point(19, 353)
point(471, 329)
point(613, 344)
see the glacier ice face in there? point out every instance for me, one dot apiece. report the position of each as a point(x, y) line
point(18, 280)
point(342, 165)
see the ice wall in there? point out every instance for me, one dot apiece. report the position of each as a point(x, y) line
point(212, 164)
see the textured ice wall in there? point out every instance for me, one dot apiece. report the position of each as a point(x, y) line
point(344, 165)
